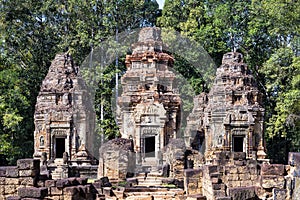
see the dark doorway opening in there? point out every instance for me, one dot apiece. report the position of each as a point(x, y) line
point(60, 147)
point(198, 140)
point(238, 144)
point(150, 146)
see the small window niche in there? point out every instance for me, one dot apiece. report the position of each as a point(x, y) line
point(42, 141)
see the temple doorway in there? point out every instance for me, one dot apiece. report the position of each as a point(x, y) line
point(59, 147)
point(150, 146)
point(238, 143)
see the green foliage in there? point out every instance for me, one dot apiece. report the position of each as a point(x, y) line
point(282, 78)
point(13, 103)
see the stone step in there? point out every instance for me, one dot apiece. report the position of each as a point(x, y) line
point(151, 197)
point(149, 178)
point(155, 174)
point(139, 197)
point(172, 194)
point(150, 184)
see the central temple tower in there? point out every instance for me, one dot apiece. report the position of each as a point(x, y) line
point(149, 107)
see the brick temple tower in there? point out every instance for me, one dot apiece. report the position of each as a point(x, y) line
point(64, 117)
point(230, 117)
point(149, 107)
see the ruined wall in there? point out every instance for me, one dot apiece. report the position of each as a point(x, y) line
point(233, 176)
point(116, 159)
point(174, 157)
point(25, 181)
point(25, 174)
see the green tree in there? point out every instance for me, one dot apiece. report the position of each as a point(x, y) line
point(282, 72)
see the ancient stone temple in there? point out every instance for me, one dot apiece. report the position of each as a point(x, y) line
point(149, 107)
point(230, 116)
point(64, 118)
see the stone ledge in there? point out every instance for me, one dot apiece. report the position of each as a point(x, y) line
point(272, 169)
point(33, 192)
point(272, 181)
point(12, 172)
point(27, 164)
point(193, 172)
point(242, 193)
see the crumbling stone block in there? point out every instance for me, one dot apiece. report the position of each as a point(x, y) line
point(73, 181)
point(1, 189)
point(10, 189)
point(223, 198)
point(196, 197)
point(242, 169)
point(26, 164)
point(144, 197)
point(239, 155)
point(71, 191)
point(28, 173)
point(33, 192)
point(2, 180)
point(61, 183)
point(193, 173)
point(296, 172)
point(296, 193)
point(279, 194)
point(55, 191)
point(240, 162)
point(13, 198)
point(272, 181)
point(272, 169)
point(2, 171)
point(242, 193)
point(82, 181)
point(12, 172)
point(212, 169)
point(50, 183)
point(220, 186)
point(231, 170)
point(219, 193)
point(26, 181)
point(294, 158)
point(12, 181)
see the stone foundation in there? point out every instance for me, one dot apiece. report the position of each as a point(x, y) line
point(232, 176)
point(25, 174)
point(117, 159)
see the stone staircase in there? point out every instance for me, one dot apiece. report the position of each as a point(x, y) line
point(156, 193)
point(150, 186)
point(153, 178)
point(61, 171)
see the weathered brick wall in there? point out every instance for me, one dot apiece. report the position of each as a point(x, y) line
point(193, 181)
point(174, 156)
point(116, 159)
point(240, 172)
point(70, 188)
point(232, 176)
point(25, 174)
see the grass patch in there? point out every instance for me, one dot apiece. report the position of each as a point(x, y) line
point(90, 180)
